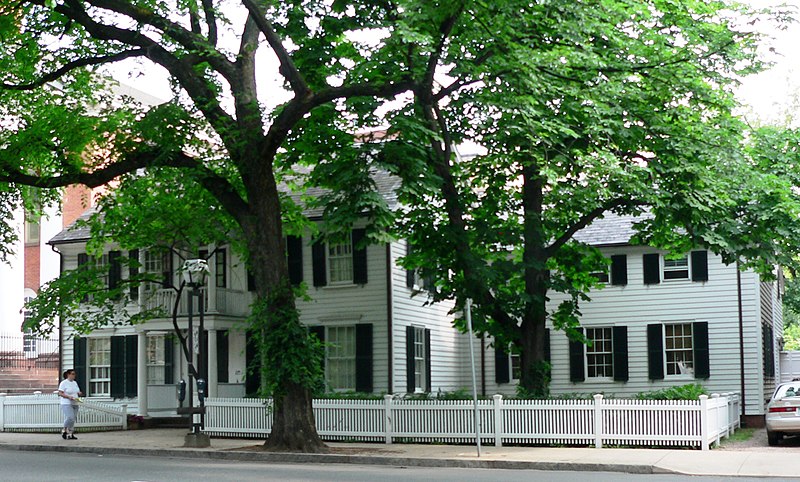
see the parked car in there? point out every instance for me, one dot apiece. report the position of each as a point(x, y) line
point(783, 412)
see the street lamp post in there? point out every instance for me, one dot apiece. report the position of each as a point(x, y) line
point(194, 273)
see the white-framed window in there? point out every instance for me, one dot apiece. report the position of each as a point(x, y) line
point(676, 268)
point(155, 359)
point(32, 231)
point(515, 364)
point(340, 262)
point(602, 276)
point(154, 267)
point(420, 363)
point(102, 264)
point(599, 353)
point(340, 357)
point(679, 349)
point(100, 367)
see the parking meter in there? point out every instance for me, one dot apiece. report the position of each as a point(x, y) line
point(201, 389)
point(182, 391)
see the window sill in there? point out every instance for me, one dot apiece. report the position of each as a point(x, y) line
point(339, 286)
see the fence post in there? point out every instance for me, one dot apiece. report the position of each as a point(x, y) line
point(717, 413)
point(124, 420)
point(598, 420)
point(704, 422)
point(387, 400)
point(2, 409)
point(498, 420)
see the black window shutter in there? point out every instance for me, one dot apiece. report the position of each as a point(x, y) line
point(619, 337)
point(80, 365)
point(202, 357)
point(169, 360)
point(114, 269)
point(131, 344)
point(133, 271)
point(577, 371)
point(428, 384)
point(501, 367)
point(410, 382)
point(651, 266)
point(364, 357)
point(700, 265)
point(166, 261)
point(702, 368)
point(117, 366)
point(222, 356)
point(409, 272)
point(318, 263)
point(252, 381)
point(83, 260)
point(319, 332)
point(294, 255)
point(619, 270)
point(655, 351)
point(251, 281)
point(547, 345)
point(359, 257)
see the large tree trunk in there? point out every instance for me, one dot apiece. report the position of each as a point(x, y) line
point(535, 377)
point(293, 427)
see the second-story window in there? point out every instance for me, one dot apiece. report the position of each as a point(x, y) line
point(101, 262)
point(154, 267)
point(676, 268)
point(340, 262)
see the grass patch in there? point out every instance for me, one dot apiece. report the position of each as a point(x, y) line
point(741, 435)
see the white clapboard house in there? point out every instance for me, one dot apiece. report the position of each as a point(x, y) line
point(659, 322)
point(381, 334)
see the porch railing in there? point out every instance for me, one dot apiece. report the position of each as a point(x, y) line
point(227, 302)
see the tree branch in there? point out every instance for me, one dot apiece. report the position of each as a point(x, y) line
point(75, 64)
point(287, 69)
point(444, 29)
point(585, 220)
point(194, 42)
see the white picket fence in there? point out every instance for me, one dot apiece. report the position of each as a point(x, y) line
point(42, 413)
point(598, 422)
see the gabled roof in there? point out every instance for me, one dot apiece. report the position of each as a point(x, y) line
point(77, 231)
point(610, 230)
point(386, 185)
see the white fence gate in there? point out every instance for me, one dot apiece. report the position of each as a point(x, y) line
point(598, 422)
point(37, 413)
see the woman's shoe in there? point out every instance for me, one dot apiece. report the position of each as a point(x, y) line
point(64, 435)
point(72, 437)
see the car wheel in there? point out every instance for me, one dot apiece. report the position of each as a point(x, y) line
point(773, 438)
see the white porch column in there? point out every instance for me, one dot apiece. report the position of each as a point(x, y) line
point(213, 380)
point(141, 372)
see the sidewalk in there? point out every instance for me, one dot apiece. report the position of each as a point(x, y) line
point(169, 443)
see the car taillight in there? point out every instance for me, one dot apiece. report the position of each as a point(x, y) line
point(782, 409)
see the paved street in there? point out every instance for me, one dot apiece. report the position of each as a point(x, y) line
point(36, 467)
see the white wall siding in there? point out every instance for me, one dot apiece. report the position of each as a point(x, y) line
point(447, 344)
point(636, 305)
point(351, 304)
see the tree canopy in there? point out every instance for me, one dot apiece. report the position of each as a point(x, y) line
point(583, 108)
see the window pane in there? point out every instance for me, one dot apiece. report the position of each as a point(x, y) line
point(340, 362)
point(679, 353)
point(599, 356)
point(340, 262)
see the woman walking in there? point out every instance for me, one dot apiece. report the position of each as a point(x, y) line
point(69, 392)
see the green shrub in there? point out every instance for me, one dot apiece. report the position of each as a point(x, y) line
point(690, 391)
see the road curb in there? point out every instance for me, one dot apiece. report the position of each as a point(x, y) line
point(300, 458)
